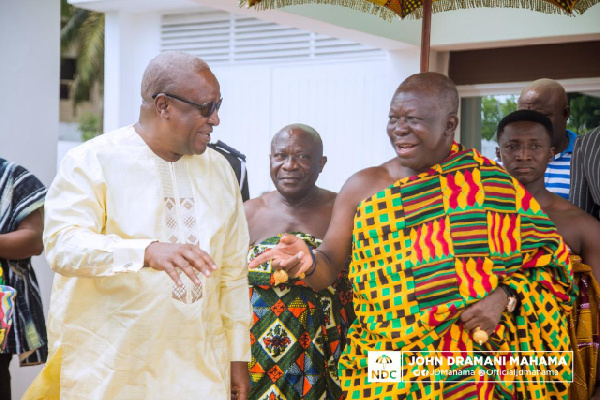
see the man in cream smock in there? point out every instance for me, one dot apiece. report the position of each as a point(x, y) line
point(146, 231)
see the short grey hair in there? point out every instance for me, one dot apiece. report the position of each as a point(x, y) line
point(164, 72)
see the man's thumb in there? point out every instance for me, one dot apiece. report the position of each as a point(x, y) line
point(288, 239)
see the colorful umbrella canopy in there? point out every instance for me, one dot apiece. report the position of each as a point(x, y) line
point(388, 9)
point(383, 360)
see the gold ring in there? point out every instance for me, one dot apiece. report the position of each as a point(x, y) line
point(280, 276)
point(480, 336)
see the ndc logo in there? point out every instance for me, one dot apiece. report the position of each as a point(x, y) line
point(384, 366)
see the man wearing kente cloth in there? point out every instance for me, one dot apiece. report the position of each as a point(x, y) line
point(525, 148)
point(441, 240)
point(298, 333)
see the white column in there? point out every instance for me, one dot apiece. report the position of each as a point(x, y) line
point(29, 78)
point(131, 41)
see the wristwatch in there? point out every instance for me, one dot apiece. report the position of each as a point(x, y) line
point(512, 298)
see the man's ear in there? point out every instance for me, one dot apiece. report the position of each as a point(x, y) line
point(567, 112)
point(498, 155)
point(552, 153)
point(451, 125)
point(162, 106)
point(322, 163)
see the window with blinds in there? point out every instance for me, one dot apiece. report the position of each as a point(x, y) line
point(219, 37)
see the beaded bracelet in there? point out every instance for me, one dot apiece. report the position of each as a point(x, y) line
point(314, 263)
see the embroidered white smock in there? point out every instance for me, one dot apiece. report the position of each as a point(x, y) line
point(126, 332)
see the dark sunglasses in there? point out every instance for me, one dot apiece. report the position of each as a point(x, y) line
point(206, 109)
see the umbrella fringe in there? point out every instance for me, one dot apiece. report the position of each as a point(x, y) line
point(535, 5)
point(365, 6)
point(359, 5)
point(583, 5)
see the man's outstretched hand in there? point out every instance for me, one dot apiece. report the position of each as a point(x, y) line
point(290, 254)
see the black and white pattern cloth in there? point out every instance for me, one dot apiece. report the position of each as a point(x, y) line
point(585, 173)
point(21, 193)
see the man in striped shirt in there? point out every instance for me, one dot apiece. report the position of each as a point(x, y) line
point(585, 188)
point(549, 98)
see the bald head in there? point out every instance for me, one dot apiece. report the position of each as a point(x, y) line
point(166, 71)
point(546, 86)
point(296, 160)
point(549, 98)
point(304, 130)
point(434, 85)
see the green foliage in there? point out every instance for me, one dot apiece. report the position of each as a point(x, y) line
point(493, 109)
point(84, 30)
point(585, 112)
point(89, 126)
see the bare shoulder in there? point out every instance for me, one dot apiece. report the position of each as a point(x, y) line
point(573, 223)
point(367, 182)
point(328, 197)
point(370, 178)
point(257, 203)
point(588, 229)
point(588, 224)
point(562, 205)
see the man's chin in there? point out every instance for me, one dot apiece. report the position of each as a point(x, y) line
point(416, 166)
point(199, 150)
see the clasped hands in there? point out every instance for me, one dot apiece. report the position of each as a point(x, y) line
point(187, 257)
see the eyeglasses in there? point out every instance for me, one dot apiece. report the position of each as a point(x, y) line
point(206, 109)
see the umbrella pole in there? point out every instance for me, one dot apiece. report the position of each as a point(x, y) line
point(425, 35)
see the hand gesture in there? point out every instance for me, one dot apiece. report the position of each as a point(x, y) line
point(486, 313)
point(290, 254)
point(170, 256)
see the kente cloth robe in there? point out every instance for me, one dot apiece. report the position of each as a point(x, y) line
point(429, 246)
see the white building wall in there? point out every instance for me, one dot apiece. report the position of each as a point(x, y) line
point(346, 101)
point(29, 78)
point(131, 41)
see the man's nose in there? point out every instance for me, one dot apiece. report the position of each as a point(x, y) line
point(290, 163)
point(401, 126)
point(523, 153)
point(214, 119)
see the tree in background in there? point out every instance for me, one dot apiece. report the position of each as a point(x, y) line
point(83, 32)
point(585, 112)
point(493, 109)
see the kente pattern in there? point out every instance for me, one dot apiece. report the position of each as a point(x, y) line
point(584, 331)
point(298, 334)
point(7, 295)
point(427, 247)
